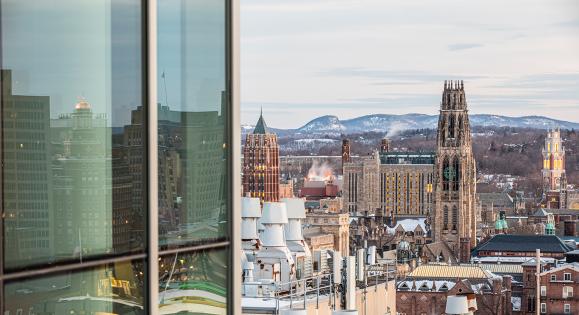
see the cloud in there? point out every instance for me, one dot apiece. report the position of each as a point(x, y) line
point(455, 47)
point(401, 77)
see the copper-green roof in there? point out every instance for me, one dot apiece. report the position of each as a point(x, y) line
point(261, 126)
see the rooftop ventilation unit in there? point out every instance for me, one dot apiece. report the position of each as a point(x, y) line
point(250, 212)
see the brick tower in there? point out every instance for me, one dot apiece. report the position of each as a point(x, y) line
point(261, 163)
point(454, 219)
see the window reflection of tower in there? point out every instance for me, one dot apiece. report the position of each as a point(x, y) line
point(83, 182)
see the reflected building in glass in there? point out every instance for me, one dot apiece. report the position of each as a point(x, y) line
point(113, 203)
point(27, 177)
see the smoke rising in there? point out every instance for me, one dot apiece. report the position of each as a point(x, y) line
point(319, 172)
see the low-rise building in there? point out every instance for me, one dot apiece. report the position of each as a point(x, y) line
point(558, 288)
point(426, 289)
point(504, 245)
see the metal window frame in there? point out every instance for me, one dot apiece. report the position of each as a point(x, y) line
point(149, 89)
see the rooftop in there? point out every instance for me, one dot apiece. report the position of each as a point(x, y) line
point(441, 271)
point(523, 243)
point(261, 126)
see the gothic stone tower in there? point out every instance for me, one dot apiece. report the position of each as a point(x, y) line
point(261, 163)
point(553, 162)
point(455, 218)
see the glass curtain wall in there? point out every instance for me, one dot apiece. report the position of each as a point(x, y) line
point(74, 148)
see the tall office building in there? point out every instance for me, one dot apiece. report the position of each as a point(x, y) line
point(120, 202)
point(261, 163)
point(27, 176)
point(454, 217)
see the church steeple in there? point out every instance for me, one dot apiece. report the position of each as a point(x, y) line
point(261, 126)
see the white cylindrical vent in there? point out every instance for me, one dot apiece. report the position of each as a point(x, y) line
point(296, 208)
point(250, 207)
point(272, 236)
point(456, 304)
point(273, 219)
point(249, 229)
point(293, 231)
point(248, 268)
point(274, 212)
point(372, 255)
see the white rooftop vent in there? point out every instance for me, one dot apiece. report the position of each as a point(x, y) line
point(274, 217)
point(250, 207)
point(296, 208)
point(296, 212)
point(250, 212)
point(456, 304)
point(274, 213)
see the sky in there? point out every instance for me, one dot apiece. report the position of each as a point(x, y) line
point(301, 59)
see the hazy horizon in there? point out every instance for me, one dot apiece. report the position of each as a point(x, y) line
point(301, 59)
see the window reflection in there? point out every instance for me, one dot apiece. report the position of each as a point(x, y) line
point(111, 289)
point(71, 136)
point(193, 283)
point(192, 120)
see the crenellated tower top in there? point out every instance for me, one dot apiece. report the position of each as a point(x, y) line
point(453, 97)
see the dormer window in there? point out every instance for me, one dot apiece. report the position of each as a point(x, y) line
point(443, 287)
point(424, 287)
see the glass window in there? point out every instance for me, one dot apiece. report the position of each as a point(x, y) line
point(543, 290)
point(553, 277)
point(567, 308)
point(543, 307)
point(109, 289)
point(193, 282)
point(72, 130)
point(567, 276)
point(193, 119)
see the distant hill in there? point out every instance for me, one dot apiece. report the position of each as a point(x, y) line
point(392, 124)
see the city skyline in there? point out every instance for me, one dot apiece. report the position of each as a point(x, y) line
point(516, 61)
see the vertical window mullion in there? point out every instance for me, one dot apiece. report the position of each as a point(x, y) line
point(150, 30)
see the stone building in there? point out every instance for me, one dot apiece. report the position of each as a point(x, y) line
point(337, 224)
point(455, 214)
point(553, 162)
point(261, 175)
point(558, 289)
point(389, 184)
point(425, 290)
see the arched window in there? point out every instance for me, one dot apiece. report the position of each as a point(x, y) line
point(451, 126)
point(456, 173)
point(445, 217)
point(445, 174)
point(454, 217)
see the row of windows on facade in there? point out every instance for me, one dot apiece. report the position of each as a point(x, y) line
point(543, 310)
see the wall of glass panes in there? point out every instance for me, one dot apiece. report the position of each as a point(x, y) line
point(85, 143)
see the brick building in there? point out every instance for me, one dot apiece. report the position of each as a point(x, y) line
point(425, 290)
point(558, 289)
point(261, 164)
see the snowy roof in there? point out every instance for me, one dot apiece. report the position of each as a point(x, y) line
point(425, 285)
point(409, 225)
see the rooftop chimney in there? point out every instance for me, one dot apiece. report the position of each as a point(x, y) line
point(273, 218)
point(250, 212)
